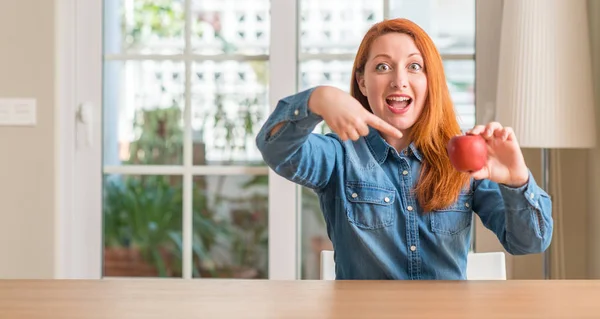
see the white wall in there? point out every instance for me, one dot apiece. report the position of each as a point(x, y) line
point(27, 160)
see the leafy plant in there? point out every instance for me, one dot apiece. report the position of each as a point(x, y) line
point(144, 213)
point(152, 19)
point(159, 137)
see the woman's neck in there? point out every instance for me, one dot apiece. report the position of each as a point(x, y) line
point(398, 143)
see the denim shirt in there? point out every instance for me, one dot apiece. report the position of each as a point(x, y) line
point(375, 223)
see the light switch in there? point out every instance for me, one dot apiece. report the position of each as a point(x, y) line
point(20, 112)
point(5, 113)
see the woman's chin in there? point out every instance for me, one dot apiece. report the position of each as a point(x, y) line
point(400, 124)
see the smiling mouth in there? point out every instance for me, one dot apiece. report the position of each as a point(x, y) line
point(399, 102)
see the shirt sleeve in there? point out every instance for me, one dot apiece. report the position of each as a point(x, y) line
point(294, 151)
point(520, 217)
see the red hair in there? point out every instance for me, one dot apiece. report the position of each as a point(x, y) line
point(439, 183)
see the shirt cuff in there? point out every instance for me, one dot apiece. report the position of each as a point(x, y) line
point(514, 195)
point(298, 111)
point(294, 110)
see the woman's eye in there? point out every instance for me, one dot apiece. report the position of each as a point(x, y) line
point(415, 67)
point(382, 67)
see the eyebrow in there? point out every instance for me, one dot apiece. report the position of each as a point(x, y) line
point(383, 55)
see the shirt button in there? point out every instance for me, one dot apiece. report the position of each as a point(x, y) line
point(405, 173)
point(387, 199)
point(413, 248)
point(410, 208)
point(296, 112)
point(531, 195)
point(354, 195)
point(467, 205)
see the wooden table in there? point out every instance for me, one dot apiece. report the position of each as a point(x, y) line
point(171, 299)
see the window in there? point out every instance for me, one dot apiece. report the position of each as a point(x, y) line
point(186, 86)
point(185, 92)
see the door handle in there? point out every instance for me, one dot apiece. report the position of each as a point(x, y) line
point(85, 116)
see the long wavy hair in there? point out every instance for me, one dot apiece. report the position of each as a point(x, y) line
point(439, 183)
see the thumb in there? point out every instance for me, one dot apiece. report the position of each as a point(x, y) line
point(481, 174)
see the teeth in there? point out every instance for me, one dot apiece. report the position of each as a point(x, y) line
point(399, 98)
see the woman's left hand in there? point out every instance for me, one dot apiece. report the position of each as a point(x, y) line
point(505, 164)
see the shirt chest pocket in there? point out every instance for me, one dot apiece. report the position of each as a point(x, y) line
point(369, 206)
point(454, 219)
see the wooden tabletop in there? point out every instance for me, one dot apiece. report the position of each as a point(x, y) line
point(171, 299)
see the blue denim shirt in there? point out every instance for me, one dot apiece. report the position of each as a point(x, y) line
point(376, 225)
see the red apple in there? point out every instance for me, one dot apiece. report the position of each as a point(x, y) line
point(468, 153)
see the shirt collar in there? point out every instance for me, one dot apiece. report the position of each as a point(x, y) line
point(380, 148)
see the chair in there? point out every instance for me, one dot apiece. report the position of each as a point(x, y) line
point(480, 266)
point(327, 265)
point(486, 266)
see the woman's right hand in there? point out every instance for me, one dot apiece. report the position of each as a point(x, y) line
point(345, 115)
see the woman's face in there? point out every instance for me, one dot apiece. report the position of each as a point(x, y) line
point(394, 80)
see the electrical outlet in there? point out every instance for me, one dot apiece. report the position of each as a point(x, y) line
point(19, 112)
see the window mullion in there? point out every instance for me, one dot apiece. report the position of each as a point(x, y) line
point(282, 193)
point(187, 226)
point(386, 9)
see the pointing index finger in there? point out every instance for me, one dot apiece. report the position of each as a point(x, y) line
point(382, 126)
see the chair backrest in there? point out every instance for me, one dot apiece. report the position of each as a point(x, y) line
point(480, 266)
point(327, 265)
point(486, 266)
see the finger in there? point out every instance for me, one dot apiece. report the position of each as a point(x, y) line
point(490, 129)
point(353, 135)
point(363, 129)
point(478, 129)
point(509, 134)
point(480, 174)
point(382, 126)
point(504, 134)
point(343, 136)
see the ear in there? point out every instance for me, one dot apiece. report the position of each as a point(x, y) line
point(361, 83)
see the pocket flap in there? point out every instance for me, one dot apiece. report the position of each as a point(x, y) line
point(364, 193)
point(463, 204)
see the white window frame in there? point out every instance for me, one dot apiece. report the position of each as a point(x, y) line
point(79, 170)
point(78, 231)
point(79, 55)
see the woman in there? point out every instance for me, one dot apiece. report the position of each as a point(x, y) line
point(395, 207)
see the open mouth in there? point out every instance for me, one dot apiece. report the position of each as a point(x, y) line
point(398, 102)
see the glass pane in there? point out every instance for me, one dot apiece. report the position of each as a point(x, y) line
point(450, 23)
point(317, 72)
point(144, 26)
point(230, 237)
point(336, 26)
point(229, 103)
point(461, 83)
point(143, 112)
point(314, 235)
point(231, 26)
point(142, 226)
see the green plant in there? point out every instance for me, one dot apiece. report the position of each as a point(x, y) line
point(145, 212)
point(250, 225)
point(159, 137)
point(153, 18)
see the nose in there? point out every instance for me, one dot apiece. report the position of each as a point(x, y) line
point(400, 79)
